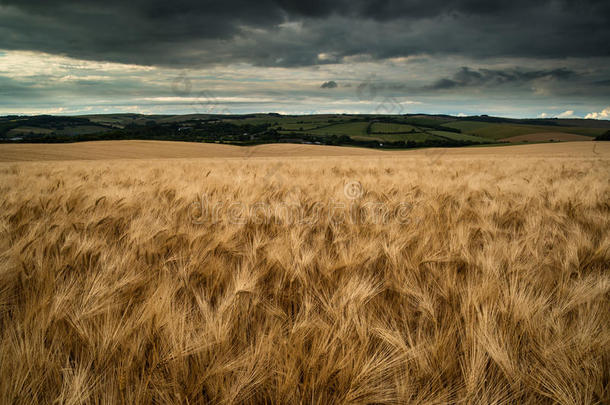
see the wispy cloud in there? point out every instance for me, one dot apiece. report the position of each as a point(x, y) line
point(566, 114)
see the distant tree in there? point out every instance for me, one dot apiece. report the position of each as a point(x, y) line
point(603, 137)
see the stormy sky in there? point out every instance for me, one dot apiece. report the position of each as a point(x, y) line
point(518, 58)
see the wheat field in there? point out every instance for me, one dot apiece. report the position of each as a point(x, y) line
point(145, 150)
point(424, 279)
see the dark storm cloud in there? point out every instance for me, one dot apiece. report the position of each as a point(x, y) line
point(195, 33)
point(467, 77)
point(329, 85)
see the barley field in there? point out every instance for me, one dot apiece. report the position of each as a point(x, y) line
point(475, 277)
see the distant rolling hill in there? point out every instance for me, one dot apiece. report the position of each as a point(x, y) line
point(377, 131)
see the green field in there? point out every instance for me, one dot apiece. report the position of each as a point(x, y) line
point(28, 130)
point(301, 126)
point(348, 128)
point(290, 121)
point(389, 127)
point(505, 130)
point(467, 126)
point(82, 129)
point(416, 137)
point(425, 120)
point(319, 128)
point(460, 137)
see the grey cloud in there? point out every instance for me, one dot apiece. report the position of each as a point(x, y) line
point(11, 90)
point(531, 41)
point(189, 33)
point(467, 77)
point(329, 85)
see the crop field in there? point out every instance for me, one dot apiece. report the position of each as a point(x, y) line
point(499, 131)
point(460, 137)
point(371, 130)
point(111, 150)
point(415, 137)
point(478, 275)
point(349, 128)
point(383, 127)
point(302, 126)
point(427, 120)
point(547, 136)
point(27, 130)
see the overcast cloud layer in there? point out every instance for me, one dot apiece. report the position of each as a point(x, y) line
point(520, 58)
